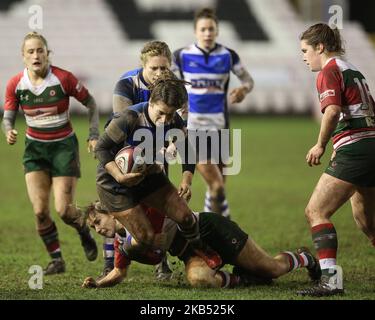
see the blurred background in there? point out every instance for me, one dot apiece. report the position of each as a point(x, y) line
point(100, 39)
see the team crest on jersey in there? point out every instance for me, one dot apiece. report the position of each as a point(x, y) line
point(326, 94)
point(52, 93)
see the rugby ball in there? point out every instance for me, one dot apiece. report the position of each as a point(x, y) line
point(130, 159)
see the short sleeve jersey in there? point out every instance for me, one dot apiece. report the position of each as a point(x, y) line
point(340, 83)
point(208, 73)
point(46, 107)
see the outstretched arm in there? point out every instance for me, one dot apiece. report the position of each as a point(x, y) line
point(247, 82)
point(111, 279)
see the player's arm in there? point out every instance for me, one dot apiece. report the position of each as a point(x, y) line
point(73, 87)
point(114, 135)
point(10, 112)
point(118, 273)
point(120, 103)
point(123, 95)
point(92, 140)
point(330, 119)
point(9, 119)
point(329, 86)
point(247, 82)
point(111, 279)
point(188, 166)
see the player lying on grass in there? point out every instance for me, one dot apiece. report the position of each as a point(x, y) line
point(252, 265)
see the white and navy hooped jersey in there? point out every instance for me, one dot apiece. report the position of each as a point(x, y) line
point(208, 73)
point(133, 86)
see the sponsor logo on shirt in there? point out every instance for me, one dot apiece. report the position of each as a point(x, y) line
point(206, 83)
point(41, 112)
point(326, 94)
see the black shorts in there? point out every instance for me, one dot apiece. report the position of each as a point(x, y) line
point(121, 198)
point(219, 233)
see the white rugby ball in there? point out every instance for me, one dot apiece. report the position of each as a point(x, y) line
point(129, 159)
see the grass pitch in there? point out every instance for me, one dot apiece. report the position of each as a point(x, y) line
point(267, 199)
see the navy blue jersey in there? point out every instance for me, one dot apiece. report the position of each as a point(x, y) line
point(133, 86)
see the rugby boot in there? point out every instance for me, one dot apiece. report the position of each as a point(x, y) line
point(88, 243)
point(314, 271)
point(326, 287)
point(163, 271)
point(55, 266)
point(248, 279)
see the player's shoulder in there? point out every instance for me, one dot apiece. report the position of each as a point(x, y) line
point(334, 68)
point(139, 107)
point(13, 81)
point(222, 49)
point(189, 49)
point(60, 73)
point(130, 74)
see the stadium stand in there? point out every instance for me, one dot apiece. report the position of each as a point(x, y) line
point(99, 39)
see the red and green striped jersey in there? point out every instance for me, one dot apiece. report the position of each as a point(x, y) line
point(340, 83)
point(46, 107)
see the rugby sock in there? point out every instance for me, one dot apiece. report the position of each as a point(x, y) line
point(224, 207)
point(325, 241)
point(207, 203)
point(108, 253)
point(299, 260)
point(228, 280)
point(50, 238)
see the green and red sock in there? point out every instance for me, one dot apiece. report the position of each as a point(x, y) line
point(325, 240)
point(51, 241)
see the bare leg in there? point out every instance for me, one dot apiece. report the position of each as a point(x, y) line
point(212, 175)
point(38, 185)
point(254, 259)
point(363, 207)
point(167, 201)
point(137, 223)
point(64, 189)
